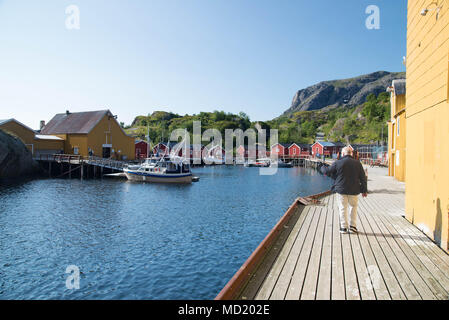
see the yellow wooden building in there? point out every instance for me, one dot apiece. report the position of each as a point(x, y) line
point(94, 133)
point(427, 171)
point(38, 144)
point(397, 130)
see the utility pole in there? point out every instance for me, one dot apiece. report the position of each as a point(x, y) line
point(382, 135)
point(148, 136)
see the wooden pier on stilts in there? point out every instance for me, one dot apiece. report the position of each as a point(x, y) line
point(76, 166)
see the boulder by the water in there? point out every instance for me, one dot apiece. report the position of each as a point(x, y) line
point(15, 158)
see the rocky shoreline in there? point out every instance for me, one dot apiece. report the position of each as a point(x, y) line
point(16, 160)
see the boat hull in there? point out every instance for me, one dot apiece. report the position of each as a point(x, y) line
point(158, 178)
point(284, 165)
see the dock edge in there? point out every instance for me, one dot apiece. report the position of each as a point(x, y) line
point(231, 290)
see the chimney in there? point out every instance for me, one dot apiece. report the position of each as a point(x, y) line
point(42, 125)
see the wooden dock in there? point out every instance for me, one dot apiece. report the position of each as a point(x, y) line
point(389, 259)
point(64, 165)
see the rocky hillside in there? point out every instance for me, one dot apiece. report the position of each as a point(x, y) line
point(15, 158)
point(346, 92)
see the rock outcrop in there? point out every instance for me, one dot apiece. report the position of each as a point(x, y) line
point(350, 92)
point(15, 159)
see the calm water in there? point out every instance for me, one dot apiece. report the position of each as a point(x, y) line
point(140, 241)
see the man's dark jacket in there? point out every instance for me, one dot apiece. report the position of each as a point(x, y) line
point(349, 176)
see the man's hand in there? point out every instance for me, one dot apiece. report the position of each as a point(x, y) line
point(364, 195)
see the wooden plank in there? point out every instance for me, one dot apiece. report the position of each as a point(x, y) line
point(414, 256)
point(279, 289)
point(351, 283)
point(379, 273)
point(435, 253)
point(275, 269)
point(408, 282)
point(387, 270)
point(297, 279)
point(323, 291)
point(363, 275)
point(313, 268)
point(338, 290)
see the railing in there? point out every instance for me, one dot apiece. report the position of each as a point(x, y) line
point(58, 157)
point(109, 163)
point(70, 158)
point(78, 159)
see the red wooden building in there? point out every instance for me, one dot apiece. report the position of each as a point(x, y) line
point(141, 149)
point(258, 151)
point(325, 148)
point(298, 150)
point(161, 149)
point(197, 152)
point(216, 152)
point(279, 149)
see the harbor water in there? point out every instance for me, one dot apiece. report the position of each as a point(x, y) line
point(136, 240)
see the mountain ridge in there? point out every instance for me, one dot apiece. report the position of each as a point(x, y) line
point(335, 93)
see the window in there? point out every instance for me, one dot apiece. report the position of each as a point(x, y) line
point(76, 150)
point(398, 126)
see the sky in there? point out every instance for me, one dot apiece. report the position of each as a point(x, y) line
point(185, 56)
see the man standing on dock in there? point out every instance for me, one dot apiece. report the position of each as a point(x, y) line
point(350, 181)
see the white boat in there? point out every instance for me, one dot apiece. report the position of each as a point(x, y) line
point(160, 172)
point(280, 164)
point(148, 163)
point(258, 163)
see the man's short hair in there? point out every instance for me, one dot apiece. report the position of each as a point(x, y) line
point(346, 151)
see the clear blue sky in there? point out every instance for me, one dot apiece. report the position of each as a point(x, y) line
point(186, 56)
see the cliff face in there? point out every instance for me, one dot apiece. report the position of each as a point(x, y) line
point(351, 92)
point(15, 159)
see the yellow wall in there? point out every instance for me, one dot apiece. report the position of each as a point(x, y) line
point(108, 131)
point(28, 137)
point(390, 149)
point(44, 144)
point(23, 133)
point(397, 140)
point(427, 171)
point(76, 140)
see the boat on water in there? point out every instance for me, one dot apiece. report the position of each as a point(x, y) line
point(258, 163)
point(161, 171)
point(280, 164)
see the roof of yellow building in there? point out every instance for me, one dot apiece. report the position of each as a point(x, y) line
point(18, 122)
point(76, 122)
point(47, 137)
